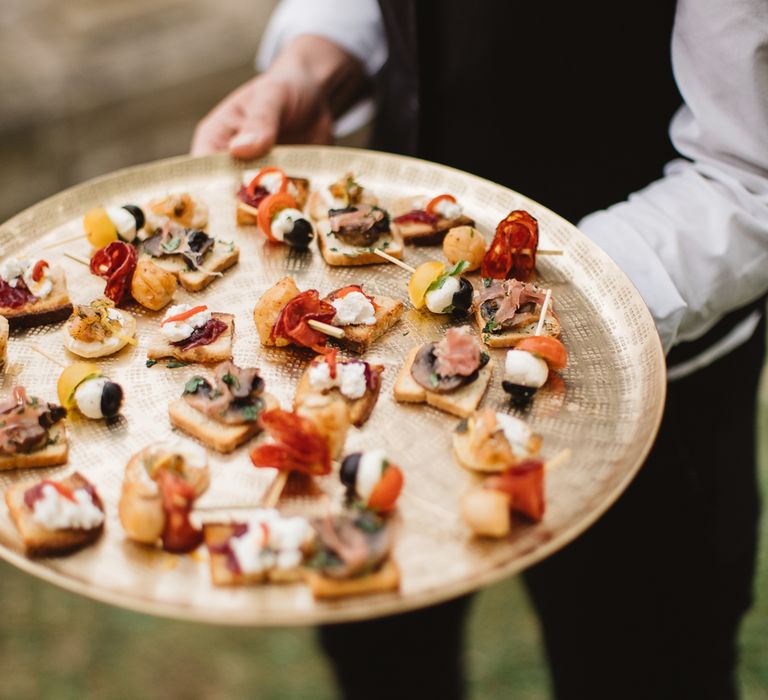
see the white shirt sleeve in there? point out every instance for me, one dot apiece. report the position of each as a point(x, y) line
point(354, 25)
point(695, 243)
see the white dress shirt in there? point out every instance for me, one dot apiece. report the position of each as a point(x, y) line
point(695, 242)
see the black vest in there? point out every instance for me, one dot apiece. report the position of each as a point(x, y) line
point(568, 103)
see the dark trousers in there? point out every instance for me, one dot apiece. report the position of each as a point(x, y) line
point(645, 604)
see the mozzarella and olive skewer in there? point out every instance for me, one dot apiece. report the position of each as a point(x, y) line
point(371, 480)
point(527, 366)
point(82, 386)
point(103, 225)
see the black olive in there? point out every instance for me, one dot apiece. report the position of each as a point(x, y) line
point(197, 239)
point(349, 467)
point(301, 235)
point(519, 395)
point(111, 399)
point(336, 212)
point(424, 373)
point(137, 214)
point(383, 224)
point(462, 300)
point(257, 385)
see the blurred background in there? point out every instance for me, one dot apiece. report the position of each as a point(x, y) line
point(90, 86)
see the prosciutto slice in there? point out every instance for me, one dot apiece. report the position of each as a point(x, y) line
point(458, 353)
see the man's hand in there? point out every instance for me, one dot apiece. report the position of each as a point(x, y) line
point(294, 101)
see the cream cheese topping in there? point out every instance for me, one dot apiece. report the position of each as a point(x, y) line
point(56, 512)
point(271, 542)
point(354, 309)
point(349, 379)
point(447, 209)
point(181, 330)
point(516, 432)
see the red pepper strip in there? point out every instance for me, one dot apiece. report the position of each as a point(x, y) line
point(255, 184)
point(524, 484)
point(178, 495)
point(115, 263)
point(297, 446)
point(37, 270)
point(430, 208)
point(291, 323)
point(184, 314)
point(344, 291)
point(512, 252)
point(15, 297)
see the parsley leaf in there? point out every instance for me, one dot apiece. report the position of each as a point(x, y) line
point(250, 412)
point(173, 364)
point(458, 268)
point(434, 380)
point(231, 380)
point(193, 385)
point(171, 245)
point(151, 363)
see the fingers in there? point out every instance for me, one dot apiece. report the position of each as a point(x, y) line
point(259, 124)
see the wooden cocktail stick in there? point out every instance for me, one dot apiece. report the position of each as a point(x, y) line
point(71, 239)
point(394, 260)
point(48, 357)
point(543, 314)
point(558, 460)
point(78, 258)
point(333, 331)
point(272, 496)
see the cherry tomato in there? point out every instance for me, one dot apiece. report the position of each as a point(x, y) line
point(549, 349)
point(385, 493)
point(270, 206)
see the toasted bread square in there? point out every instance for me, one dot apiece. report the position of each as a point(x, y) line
point(337, 253)
point(217, 351)
point(268, 308)
point(39, 540)
point(246, 215)
point(221, 257)
point(359, 338)
point(511, 337)
point(462, 402)
point(56, 452)
point(418, 233)
point(387, 578)
point(50, 309)
point(222, 437)
point(359, 409)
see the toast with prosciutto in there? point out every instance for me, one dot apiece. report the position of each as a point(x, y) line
point(32, 432)
point(56, 517)
point(32, 293)
point(507, 311)
point(223, 413)
point(451, 374)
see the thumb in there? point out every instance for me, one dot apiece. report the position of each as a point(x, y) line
point(260, 125)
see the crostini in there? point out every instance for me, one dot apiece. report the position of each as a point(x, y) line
point(424, 221)
point(180, 208)
point(32, 293)
point(98, 329)
point(258, 185)
point(193, 334)
point(56, 517)
point(451, 374)
point(223, 413)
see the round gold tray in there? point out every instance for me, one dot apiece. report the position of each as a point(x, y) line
point(607, 414)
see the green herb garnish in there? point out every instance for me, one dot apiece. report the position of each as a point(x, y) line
point(151, 363)
point(173, 364)
point(434, 380)
point(171, 245)
point(250, 412)
point(231, 380)
point(193, 385)
point(490, 327)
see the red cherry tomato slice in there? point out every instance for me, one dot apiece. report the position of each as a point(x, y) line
point(524, 484)
point(37, 270)
point(430, 208)
point(270, 206)
point(256, 182)
point(549, 349)
point(184, 314)
point(385, 493)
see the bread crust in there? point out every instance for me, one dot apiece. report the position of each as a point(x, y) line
point(386, 578)
point(217, 351)
point(359, 409)
point(339, 254)
point(221, 257)
point(462, 402)
point(268, 308)
point(221, 437)
point(38, 540)
point(51, 309)
point(50, 456)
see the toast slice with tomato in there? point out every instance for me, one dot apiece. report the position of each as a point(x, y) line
point(217, 351)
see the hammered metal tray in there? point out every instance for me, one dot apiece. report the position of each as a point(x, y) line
point(607, 411)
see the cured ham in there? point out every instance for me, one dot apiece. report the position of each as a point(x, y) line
point(291, 324)
point(115, 263)
point(458, 353)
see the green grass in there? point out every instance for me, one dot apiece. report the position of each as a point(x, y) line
point(58, 645)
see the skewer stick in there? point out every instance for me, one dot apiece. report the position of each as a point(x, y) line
point(326, 328)
point(276, 489)
point(558, 460)
point(78, 258)
point(71, 239)
point(549, 252)
point(48, 357)
point(394, 260)
point(543, 314)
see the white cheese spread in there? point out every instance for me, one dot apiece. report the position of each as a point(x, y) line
point(176, 331)
point(516, 432)
point(446, 209)
point(354, 309)
point(271, 542)
point(56, 512)
point(349, 379)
